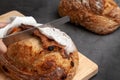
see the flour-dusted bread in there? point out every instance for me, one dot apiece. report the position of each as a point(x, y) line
point(99, 16)
point(43, 56)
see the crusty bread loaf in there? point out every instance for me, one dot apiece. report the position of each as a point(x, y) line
point(99, 16)
point(40, 58)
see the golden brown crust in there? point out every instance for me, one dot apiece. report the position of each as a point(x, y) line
point(36, 58)
point(99, 16)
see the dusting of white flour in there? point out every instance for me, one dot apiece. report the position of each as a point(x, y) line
point(52, 33)
point(59, 36)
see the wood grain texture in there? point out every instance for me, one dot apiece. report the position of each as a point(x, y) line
point(5, 17)
point(86, 69)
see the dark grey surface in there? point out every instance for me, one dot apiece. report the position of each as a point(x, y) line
point(104, 50)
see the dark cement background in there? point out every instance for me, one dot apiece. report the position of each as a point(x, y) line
point(104, 50)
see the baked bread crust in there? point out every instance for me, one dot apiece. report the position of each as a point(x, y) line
point(38, 61)
point(98, 16)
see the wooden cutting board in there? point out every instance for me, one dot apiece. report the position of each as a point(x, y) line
point(86, 70)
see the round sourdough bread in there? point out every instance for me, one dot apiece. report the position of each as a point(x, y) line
point(41, 58)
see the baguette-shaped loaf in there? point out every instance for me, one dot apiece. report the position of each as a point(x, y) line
point(98, 16)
